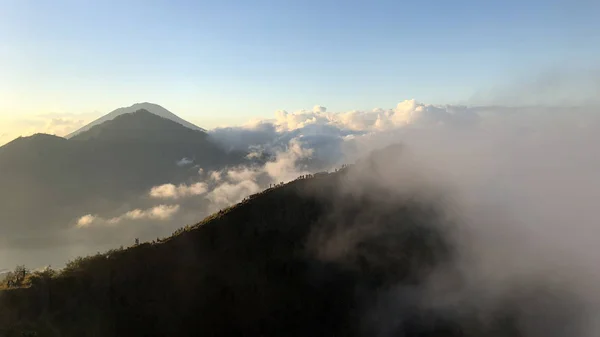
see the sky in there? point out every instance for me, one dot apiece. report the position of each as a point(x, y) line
point(225, 62)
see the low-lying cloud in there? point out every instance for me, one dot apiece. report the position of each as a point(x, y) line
point(86, 220)
point(160, 212)
point(170, 191)
point(210, 191)
point(185, 162)
point(325, 133)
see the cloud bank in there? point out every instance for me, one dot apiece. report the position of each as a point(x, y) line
point(337, 137)
point(325, 133)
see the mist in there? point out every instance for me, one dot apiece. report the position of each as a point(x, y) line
point(521, 189)
point(520, 185)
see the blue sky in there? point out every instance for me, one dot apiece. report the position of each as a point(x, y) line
point(215, 61)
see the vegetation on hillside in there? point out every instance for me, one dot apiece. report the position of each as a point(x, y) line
point(258, 268)
point(318, 256)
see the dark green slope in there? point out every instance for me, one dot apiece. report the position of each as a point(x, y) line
point(265, 267)
point(337, 254)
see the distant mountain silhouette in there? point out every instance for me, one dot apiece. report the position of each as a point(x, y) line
point(49, 181)
point(141, 126)
point(150, 107)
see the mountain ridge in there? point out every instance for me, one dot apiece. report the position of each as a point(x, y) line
point(150, 107)
point(97, 171)
point(329, 254)
point(250, 269)
point(146, 125)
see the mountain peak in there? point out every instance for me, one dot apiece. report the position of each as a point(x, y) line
point(147, 106)
point(141, 125)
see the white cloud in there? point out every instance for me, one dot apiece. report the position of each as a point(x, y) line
point(185, 162)
point(405, 113)
point(232, 185)
point(158, 213)
point(285, 165)
point(215, 176)
point(241, 174)
point(227, 193)
point(86, 221)
point(170, 191)
point(319, 109)
point(325, 132)
point(254, 154)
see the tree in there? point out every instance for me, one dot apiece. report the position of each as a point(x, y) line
point(41, 277)
point(17, 277)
